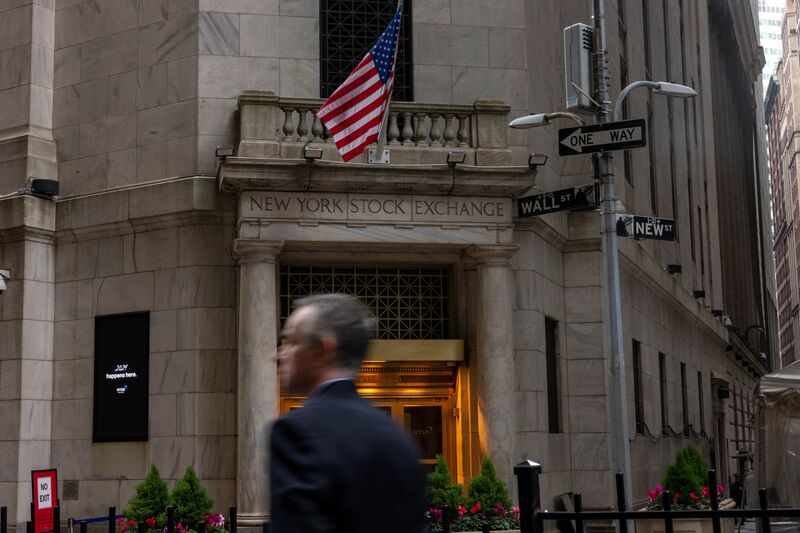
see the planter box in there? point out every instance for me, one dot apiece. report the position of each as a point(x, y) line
point(689, 525)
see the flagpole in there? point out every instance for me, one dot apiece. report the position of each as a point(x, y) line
point(382, 136)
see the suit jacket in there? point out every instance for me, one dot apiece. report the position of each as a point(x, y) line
point(340, 465)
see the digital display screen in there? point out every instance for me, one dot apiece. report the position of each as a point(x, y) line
point(121, 366)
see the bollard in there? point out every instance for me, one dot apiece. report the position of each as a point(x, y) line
point(84, 527)
point(142, 526)
point(527, 473)
point(29, 526)
point(170, 519)
point(620, 482)
point(57, 519)
point(266, 527)
point(233, 519)
point(201, 526)
point(446, 519)
point(112, 517)
point(667, 506)
point(762, 502)
point(485, 528)
point(3, 519)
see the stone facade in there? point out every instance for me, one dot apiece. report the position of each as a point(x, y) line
point(142, 92)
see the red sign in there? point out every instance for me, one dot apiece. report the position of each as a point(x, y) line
point(45, 498)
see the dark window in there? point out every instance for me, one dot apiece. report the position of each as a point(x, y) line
point(637, 387)
point(121, 366)
point(553, 388)
point(684, 398)
point(348, 29)
point(700, 401)
point(662, 382)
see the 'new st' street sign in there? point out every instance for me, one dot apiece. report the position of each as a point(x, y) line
point(602, 137)
point(660, 229)
point(560, 200)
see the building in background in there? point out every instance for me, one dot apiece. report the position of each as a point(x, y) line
point(140, 324)
point(770, 18)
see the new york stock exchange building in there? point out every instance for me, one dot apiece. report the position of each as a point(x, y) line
point(141, 319)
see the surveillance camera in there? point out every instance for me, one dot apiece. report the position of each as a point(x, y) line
point(4, 275)
point(726, 321)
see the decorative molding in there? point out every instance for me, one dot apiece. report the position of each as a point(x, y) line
point(492, 255)
point(256, 250)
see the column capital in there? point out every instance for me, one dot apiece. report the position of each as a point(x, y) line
point(492, 254)
point(256, 250)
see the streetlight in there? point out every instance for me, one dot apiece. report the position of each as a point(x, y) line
point(534, 120)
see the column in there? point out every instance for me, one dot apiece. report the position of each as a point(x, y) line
point(257, 377)
point(495, 356)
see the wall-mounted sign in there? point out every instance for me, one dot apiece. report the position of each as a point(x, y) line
point(555, 201)
point(121, 366)
point(602, 137)
point(45, 498)
point(638, 227)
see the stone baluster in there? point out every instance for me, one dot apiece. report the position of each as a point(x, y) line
point(421, 135)
point(408, 130)
point(393, 132)
point(316, 129)
point(436, 130)
point(302, 127)
point(449, 130)
point(463, 129)
point(288, 123)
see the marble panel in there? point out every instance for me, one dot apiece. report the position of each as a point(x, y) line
point(171, 39)
point(93, 99)
point(66, 108)
point(527, 290)
point(206, 144)
point(34, 455)
point(284, 37)
point(186, 409)
point(219, 34)
point(98, 494)
point(588, 414)
point(586, 377)
point(109, 55)
point(69, 28)
point(168, 122)
point(583, 304)
point(555, 457)
point(553, 300)
point(72, 379)
point(42, 65)
point(530, 371)
point(302, 8)
point(114, 460)
point(529, 330)
point(12, 300)
point(182, 79)
point(156, 250)
point(163, 331)
point(216, 371)
point(595, 487)
point(122, 91)
point(72, 419)
point(152, 86)
point(86, 174)
point(10, 419)
point(254, 7)
point(41, 106)
point(205, 245)
point(173, 372)
point(471, 84)
point(206, 329)
point(14, 104)
point(217, 413)
point(152, 11)
point(36, 379)
point(67, 66)
point(433, 83)
point(226, 77)
point(182, 157)
point(178, 8)
point(10, 339)
point(590, 451)
point(299, 78)
point(108, 134)
point(35, 419)
point(38, 300)
point(37, 340)
point(122, 169)
point(16, 67)
point(172, 455)
point(527, 411)
point(431, 12)
point(121, 15)
point(439, 44)
point(215, 457)
point(222, 491)
point(73, 457)
point(195, 287)
point(93, 18)
point(151, 163)
point(67, 142)
point(163, 415)
point(10, 383)
point(582, 269)
point(217, 116)
point(504, 13)
point(124, 294)
point(9, 457)
point(39, 261)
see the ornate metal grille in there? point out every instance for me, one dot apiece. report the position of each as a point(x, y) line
point(347, 30)
point(408, 302)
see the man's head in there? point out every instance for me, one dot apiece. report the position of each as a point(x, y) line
point(326, 337)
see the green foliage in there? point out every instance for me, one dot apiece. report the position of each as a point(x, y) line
point(441, 489)
point(476, 522)
point(151, 498)
point(487, 489)
point(190, 499)
point(689, 473)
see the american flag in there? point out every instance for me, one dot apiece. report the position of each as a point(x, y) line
point(354, 112)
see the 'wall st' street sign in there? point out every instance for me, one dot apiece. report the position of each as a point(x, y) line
point(560, 200)
point(660, 229)
point(606, 137)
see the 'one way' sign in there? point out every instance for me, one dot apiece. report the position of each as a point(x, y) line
point(602, 137)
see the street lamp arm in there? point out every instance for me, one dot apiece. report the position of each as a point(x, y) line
point(565, 114)
point(624, 93)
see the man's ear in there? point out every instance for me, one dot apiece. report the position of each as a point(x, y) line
point(327, 350)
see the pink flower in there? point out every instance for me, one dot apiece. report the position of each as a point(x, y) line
point(720, 489)
point(461, 510)
point(706, 492)
point(181, 527)
point(499, 510)
point(515, 512)
point(659, 489)
point(693, 496)
point(475, 508)
point(652, 495)
point(677, 496)
point(435, 513)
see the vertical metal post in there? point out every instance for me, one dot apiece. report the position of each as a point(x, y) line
point(57, 519)
point(4, 519)
point(762, 500)
point(527, 473)
point(170, 519)
point(84, 527)
point(578, 503)
point(446, 514)
point(233, 518)
point(712, 487)
point(612, 319)
point(112, 517)
point(29, 526)
point(620, 485)
point(667, 507)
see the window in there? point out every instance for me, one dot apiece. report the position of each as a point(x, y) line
point(700, 401)
point(637, 387)
point(553, 381)
point(662, 381)
point(121, 370)
point(684, 399)
point(348, 28)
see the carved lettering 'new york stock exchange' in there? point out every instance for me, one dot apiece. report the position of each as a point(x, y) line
point(377, 208)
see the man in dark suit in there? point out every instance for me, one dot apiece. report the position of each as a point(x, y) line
point(338, 464)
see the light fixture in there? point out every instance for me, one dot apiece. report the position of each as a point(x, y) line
point(674, 269)
point(455, 158)
point(536, 160)
point(674, 89)
point(4, 275)
point(44, 187)
point(534, 120)
point(312, 153)
point(224, 151)
point(699, 294)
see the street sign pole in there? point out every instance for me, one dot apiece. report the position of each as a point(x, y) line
point(612, 320)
